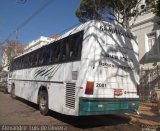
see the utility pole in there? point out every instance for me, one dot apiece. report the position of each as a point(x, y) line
point(17, 42)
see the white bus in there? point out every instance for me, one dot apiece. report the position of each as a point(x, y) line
point(90, 70)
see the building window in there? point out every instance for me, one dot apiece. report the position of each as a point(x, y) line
point(152, 45)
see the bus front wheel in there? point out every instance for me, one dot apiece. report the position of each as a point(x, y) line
point(13, 93)
point(43, 102)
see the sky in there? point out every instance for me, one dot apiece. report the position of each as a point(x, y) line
point(55, 18)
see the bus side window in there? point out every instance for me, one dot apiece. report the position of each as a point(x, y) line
point(17, 64)
point(71, 45)
point(34, 59)
point(37, 58)
point(67, 50)
point(12, 65)
point(22, 62)
point(46, 55)
point(41, 59)
point(75, 47)
point(56, 52)
point(50, 54)
point(62, 55)
point(30, 60)
point(27, 61)
point(79, 49)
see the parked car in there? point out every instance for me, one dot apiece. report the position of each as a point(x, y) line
point(3, 81)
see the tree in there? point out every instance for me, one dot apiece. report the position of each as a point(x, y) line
point(157, 9)
point(10, 50)
point(88, 10)
point(125, 10)
point(122, 11)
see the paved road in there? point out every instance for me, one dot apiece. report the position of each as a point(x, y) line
point(21, 112)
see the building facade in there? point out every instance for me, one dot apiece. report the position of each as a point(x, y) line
point(147, 31)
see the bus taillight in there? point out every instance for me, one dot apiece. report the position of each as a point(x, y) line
point(117, 92)
point(138, 88)
point(89, 88)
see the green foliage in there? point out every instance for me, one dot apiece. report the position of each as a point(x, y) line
point(88, 10)
point(122, 11)
point(98, 10)
point(158, 8)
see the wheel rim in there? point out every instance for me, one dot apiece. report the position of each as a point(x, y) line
point(43, 102)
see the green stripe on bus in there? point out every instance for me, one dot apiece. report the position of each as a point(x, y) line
point(110, 107)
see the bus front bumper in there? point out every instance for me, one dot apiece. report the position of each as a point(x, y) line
point(101, 106)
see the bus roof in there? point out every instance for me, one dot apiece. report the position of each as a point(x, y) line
point(83, 26)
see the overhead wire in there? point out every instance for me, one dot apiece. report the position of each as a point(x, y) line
point(28, 19)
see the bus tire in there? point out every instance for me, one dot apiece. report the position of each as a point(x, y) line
point(43, 102)
point(13, 93)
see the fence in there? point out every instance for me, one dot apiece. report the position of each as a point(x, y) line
point(150, 84)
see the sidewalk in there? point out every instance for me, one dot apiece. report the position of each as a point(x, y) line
point(148, 115)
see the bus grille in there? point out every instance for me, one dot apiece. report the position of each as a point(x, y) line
point(70, 95)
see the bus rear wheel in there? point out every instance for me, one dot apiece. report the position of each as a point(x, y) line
point(43, 102)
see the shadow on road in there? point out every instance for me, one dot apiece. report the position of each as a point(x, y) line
point(90, 121)
point(84, 122)
point(27, 102)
